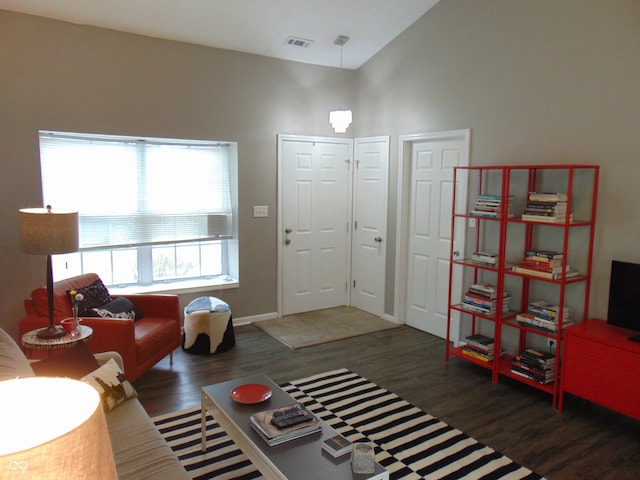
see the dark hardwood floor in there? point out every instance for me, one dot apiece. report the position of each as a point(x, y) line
point(584, 442)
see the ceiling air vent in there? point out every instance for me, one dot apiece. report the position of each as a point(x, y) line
point(298, 42)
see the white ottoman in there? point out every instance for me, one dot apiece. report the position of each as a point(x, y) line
point(208, 326)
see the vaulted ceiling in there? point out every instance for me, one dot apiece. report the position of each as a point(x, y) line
point(298, 30)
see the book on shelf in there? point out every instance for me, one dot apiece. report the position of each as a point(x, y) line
point(337, 446)
point(530, 217)
point(543, 254)
point(546, 207)
point(483, 357)
point(474, 307)
point(527, 270)
point(534, 356)
point(475, 349)
point(480, 341)
point(534, 364)
point(547, 197)
point(485, 258)
point(537, 369)
point(488, 196)
point(262, 423)
point(543, 263)
point(545, 310)
point(479, 346)
point(483, 298)
point(551, 326)
point(542, 378)
point(490, 206)
point(479, 300)
point(540, 266)
point(486, 290)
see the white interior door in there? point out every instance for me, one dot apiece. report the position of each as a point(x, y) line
point(370, 224)
point(315, 199)
point(428, 241)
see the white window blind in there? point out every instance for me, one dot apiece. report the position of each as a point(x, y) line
point(132, 192)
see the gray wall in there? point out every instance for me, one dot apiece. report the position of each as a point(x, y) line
point(60, 76)
point(536, 81)
point(554, 81)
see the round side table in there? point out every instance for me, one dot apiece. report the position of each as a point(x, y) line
point(30, 341)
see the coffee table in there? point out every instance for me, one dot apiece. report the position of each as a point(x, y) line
point(300, 458)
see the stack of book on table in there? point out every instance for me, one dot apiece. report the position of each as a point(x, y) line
point(285, 424)
point(543, 315)
point(483, 298)
point(535, 365)
point(337, 446)
point(544, 264)
point(479, 346)
point(489, 206)
point(546, 207)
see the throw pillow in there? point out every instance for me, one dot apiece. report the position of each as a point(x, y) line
point(121, 307)
point(74, 362)
point(13, 363)
point(95, 296)
point(111, 384)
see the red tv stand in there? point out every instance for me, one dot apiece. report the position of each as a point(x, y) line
point(602, 365)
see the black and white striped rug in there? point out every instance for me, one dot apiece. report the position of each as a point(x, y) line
point(410, 443)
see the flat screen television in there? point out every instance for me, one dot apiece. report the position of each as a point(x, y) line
point(624, 295)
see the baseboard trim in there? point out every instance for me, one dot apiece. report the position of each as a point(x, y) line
point(254, 318)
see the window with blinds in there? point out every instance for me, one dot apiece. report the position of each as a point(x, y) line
point(150, 210)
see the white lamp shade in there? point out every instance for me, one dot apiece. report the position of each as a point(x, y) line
point(53, 428)
point(340, 120)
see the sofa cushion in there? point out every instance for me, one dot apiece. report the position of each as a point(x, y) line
point(94, 296)
point(151, 334)
point(139, 450)
point(13, 363)
point(111, 384)
point(120, 307)
point(61, 302)
point(75, 362)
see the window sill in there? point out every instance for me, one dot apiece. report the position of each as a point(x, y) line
point(185, 286)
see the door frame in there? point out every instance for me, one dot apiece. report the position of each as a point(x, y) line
point(405, 148)
point(280, 237)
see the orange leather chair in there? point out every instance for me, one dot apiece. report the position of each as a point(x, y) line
point(141, 343)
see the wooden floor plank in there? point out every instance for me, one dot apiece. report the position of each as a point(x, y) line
point(586, 441)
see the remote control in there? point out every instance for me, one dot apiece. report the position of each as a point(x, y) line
point(291, 416)
point(283, 423)
point(294, 411)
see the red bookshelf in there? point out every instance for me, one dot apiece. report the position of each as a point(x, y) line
point(499, 197)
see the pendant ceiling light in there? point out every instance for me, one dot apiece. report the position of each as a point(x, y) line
point(340, 119)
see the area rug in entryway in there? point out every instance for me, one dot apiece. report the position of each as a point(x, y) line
point(409, 443)
point(322, 326)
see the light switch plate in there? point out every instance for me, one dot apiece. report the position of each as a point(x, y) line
point(260, 211)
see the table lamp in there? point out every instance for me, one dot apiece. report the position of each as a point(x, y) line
point(72, 444)
point(44, 231)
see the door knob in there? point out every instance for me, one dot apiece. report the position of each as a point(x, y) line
point(287, 242)
point(377, 239)
point(288, 230)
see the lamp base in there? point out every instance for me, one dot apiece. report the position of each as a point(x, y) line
point(52, 331)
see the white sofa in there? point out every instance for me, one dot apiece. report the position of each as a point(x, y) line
point(139, 450)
